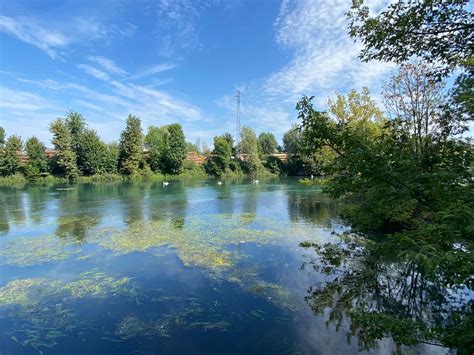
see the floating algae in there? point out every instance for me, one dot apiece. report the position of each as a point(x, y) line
point(27, 251)
point(40, 308)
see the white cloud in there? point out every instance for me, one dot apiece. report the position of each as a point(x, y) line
point(49, 41)
point(107, 64)
point(324, 60)
point(156, 69)
point(54, 36)
point(99, 74)
point(21, 100)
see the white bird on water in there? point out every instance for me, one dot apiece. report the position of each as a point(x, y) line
point(255, 181)
point(219, 183)
point(165, 183)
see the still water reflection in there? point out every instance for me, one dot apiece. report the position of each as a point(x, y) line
point(192, 268)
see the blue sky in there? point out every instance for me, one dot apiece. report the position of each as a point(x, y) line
point(174, 61)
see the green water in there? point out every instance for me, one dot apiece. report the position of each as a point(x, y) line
point(190, 268)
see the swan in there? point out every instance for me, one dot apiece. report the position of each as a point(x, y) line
point(165, 183)
point(255, 181)
point(219, 183)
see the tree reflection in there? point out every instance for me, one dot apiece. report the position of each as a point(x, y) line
point(13, 206)
point(131, 199)
point(38, 198)
point(81, 210)
point(311, 206)
point(381, 295)
point(166, 203)
point(4, 221)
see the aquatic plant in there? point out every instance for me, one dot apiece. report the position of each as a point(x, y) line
point(27, 251)
point(41, 308)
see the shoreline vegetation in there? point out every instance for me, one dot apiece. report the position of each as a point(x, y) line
point(79, 155)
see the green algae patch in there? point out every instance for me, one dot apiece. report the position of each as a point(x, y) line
point(198, 241)
point(28, 251)
point(41, 309)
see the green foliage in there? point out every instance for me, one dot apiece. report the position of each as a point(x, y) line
point(438, 30)
point(174, 150)
point(408, 179)
point(267, 143)
point(92, 154)
point(38, 164)
point(9, 159)
point(250, 153)
point(76, 124)
point(2, 137)
point(228, 137)
point(300, 160)
point(274, 165)
point(155, 142)
point(219, 161)
point(131, 147)
point(111, 158)
point(66, 159)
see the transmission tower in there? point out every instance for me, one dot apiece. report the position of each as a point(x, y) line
point(237, 122)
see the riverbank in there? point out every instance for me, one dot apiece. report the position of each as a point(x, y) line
point(19, 180)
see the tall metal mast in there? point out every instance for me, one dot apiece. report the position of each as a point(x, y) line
point(237, 123)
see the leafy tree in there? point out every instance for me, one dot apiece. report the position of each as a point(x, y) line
point(249, 149)
point(230, 139)
point(131, 147)
point(2, 137)
point(274, 165)
point(92, 153)
point(407, 178)
point(66, 159)
point(300, 160)
point(76, 125)
point(435, 31)
point(155, 141)
point(37, 161)
point(174, 151)
point(111, 158)
point(267, 143)
point(220, 158)
point(10, 160)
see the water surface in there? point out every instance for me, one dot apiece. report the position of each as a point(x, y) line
point(192, 268)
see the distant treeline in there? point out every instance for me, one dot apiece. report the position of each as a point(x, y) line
point(79, 151)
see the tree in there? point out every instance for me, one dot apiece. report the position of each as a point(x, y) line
point(273, 164)
point(131, 147)
point(155, 141)
point(38, 164)
point(66, 159)
point(2, 137)
point(76, 125)
point(91, 153)
point(10, 160)
point(436, 31)
point(220, 158)
point(112, 157)
point(228, 137)
point(174, 152)
point(267, 143)
point(249, 149)
point(301, 161)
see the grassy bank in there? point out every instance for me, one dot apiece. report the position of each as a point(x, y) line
point(19, 180)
